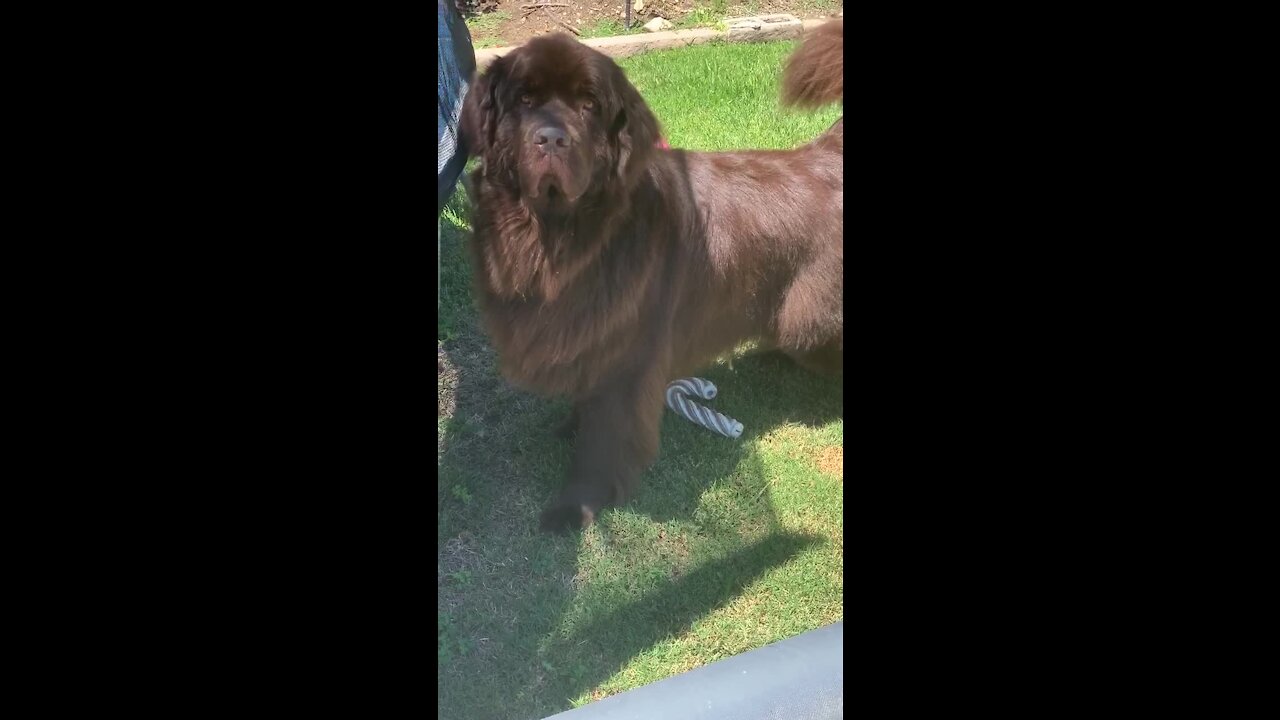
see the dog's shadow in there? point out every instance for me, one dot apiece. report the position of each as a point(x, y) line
point(521, 610)
point(764, 392)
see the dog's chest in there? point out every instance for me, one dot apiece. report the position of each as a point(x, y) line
point(564, 347)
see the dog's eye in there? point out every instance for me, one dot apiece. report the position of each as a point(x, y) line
point(526, 99)
point(589, 103)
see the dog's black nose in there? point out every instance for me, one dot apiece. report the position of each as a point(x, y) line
point(549, 139)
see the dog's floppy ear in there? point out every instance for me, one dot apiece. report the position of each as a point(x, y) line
point(635, 128)
point(478, 121)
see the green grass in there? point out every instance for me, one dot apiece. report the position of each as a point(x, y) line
point(484, 28)
point(729, 545)
point(488, 22)
point(703, 14)
point(609, 27)
point(723, 96)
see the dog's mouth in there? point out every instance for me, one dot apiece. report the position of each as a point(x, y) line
point(549, 188)
point(551, 191)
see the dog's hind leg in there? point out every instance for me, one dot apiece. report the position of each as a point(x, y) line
point(826, 360)
point(810, 323)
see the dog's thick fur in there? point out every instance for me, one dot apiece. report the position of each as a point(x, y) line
point(606, 268)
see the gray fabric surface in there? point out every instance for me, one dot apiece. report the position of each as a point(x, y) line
point(801, 678)
point(451, 84)
point(455, 64)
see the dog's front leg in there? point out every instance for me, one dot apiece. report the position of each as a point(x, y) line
point(568, 427)
point(617, 440)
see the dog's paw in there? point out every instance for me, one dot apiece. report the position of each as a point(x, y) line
point(567, 429)
point(561, 518)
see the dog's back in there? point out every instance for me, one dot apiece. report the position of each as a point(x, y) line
point(810, 322)
point(765, 261)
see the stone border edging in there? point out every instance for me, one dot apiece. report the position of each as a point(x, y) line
point(755, 28)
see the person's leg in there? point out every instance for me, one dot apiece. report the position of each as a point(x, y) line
point(454, 69)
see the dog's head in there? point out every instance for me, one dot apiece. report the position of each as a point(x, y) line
point(557, 122)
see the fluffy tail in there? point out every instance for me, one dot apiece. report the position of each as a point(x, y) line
point(815, 71)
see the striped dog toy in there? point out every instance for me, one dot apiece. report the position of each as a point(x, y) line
point(678, 400)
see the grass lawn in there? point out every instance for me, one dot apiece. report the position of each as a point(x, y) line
point(484, 28)
point(729, 545)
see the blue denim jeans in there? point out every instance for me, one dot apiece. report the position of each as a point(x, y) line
point(456, 61)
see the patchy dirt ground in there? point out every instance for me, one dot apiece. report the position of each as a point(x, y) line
point(496, 23)
point(831, 461)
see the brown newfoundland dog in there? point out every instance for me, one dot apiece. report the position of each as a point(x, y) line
point(606, 267)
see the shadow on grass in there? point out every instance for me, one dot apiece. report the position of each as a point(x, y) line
point(527, 622)
point(763, 391)
point(598, 648)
